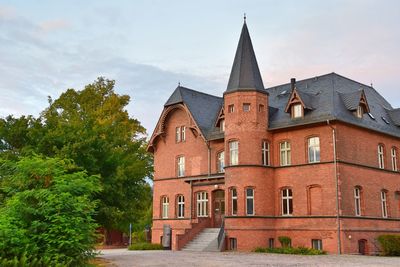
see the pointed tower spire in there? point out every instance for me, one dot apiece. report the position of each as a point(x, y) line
point(245, 74)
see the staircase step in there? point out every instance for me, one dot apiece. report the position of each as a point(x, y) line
point(206, 240)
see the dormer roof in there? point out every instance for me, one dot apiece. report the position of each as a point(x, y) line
point(298, 96)
point(352, 100)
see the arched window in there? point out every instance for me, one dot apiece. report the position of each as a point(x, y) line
point(394, 159)
point(285, 153)
point(313, 150)
point(249, 201)
point(202, 204)
point(234, 201)
point(165, 207)
point(384, 204)
point(221, 162)
point(381, 160)
point(357, 201)
point(180, 206)
point(265, 156)
point(181, 166)
point(287, 202)
point(234, 153)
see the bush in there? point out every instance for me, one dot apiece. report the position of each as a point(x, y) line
point(29, 261)
point(285, 241)
point(146, 246)
point(290, 250)
point(390, 244)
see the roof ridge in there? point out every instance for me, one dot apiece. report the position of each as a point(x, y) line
point(199, 92)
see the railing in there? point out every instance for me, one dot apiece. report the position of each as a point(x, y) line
point(221, 235)
point(190, 233)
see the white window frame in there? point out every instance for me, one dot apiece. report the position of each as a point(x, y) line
point(384, 204)
point(181, 166)
point(297, 111)
point(314, 150)
point(394, 159)
point(183, 133)
point(221, 162)
point(180, 206)
point(233, 153)
point(178, 134)
point(285, 153)
point(202, 204)
point(357, 201)
point(251, 199)
point(316, 244)
point(234, 199)
point(165, 207)
point(222, 126)
point(359, 112)
point(265, 155)
point(287, 201)
point(381, 158)
point(231, 108)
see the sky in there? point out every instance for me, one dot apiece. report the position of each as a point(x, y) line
point(148, 47)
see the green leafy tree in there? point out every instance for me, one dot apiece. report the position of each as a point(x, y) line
point(48, 210)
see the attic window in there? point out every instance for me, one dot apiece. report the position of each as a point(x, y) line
point(246, 107)
point(359, 112)
point(371, 116)
point(231, 108)
point(283, 93)
point(297, 111)
point(385, 120)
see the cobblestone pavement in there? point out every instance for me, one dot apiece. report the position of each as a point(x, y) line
point(125, 258)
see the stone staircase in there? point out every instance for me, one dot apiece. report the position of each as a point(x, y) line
point(206, 240)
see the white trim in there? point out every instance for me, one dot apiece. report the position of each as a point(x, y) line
point(202, 204)
point(285, 153)
point(394, 159)
point(265, 155)
point(234, 153)
point(384, 204)
point(234, 199)
point(357, 201)
point(381, 160)
point(287, 201)
point(250, 197)
point(181, 206)
point(165, 207)
point(314, 153)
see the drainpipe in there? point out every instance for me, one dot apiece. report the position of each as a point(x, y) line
point(339, 244)
point(190, 204)
point(209, 158)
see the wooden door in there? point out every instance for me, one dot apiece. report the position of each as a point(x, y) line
point(218, 207)
point(362, 246)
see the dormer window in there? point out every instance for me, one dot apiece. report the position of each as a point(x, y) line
point(297, 111)
point(359, 112)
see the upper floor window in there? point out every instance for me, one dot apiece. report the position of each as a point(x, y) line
point(231, 108)
point(297, 111)
point(180, 134)
point(359, 112)
point(165, 207)
point(233, 153)
point(265, 156)
point(234, 201)
point(249, 201)
point(381, 160)
point(285, 153)
point(287, 202)
point(181, 166)
point(394, 158)
point(202, 204)
point(384, 204)
point(180, 206)
point(221, 162)
point(260, 108)
point(222, 126)
point(246, 107)
point(357, 201)
point(313, 150)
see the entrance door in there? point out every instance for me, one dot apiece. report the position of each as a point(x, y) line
point(362, 246)
point(218, 207)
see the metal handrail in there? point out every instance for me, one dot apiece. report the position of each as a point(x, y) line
point(221, 232)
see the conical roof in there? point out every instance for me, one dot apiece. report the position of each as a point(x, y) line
point(245, 74)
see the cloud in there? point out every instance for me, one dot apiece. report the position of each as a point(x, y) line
point(53, 25)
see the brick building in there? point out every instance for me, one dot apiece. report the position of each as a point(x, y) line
point(315, 160)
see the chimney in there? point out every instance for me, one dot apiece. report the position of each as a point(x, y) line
point(292, 84)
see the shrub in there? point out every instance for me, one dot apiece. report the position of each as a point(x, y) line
point(285, 241)
point(146, 246)
point(390, 244)
point(290, 250)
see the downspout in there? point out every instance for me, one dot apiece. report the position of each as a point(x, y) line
point(208, 158)
point(339, 244)
point(191, 200)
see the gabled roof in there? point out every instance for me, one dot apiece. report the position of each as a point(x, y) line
point(203, 107)
point(353, 99)
point(245, 74)
point(306, 99)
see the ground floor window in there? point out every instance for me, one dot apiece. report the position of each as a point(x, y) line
point(202, 204)
point(271, 243)
point(232, 243)
point(317, 244)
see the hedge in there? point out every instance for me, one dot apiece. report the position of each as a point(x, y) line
point(290, 250)
point(390, 244)
point(145, 246)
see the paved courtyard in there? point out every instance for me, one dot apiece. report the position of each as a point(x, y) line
point(125, 258)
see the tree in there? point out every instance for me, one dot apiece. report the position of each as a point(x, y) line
point(48, 210)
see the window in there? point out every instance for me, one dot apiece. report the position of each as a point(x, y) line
point(202, 204)
point(260, 108)
point(381, 160)
point(249, 201)
point(234, 201)
point(222, 126)
point(165, 207)
point(181, 206)
point(180, 134)
point(234, 153)
point(271, 243)
point(221, 162)
point(231, 108)
point(357, 201)
point(297, 111)
point(359, 112)
point(394, 159)
point(232, 244)
point(285, 153)
point(181, 166)
point(265, 153)
point(313, 150)
point(246, 107)
point(287, 202)
point(384, 204)
point(316, 244)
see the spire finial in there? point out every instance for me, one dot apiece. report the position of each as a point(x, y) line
point(244, 17)
point(179, 83)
